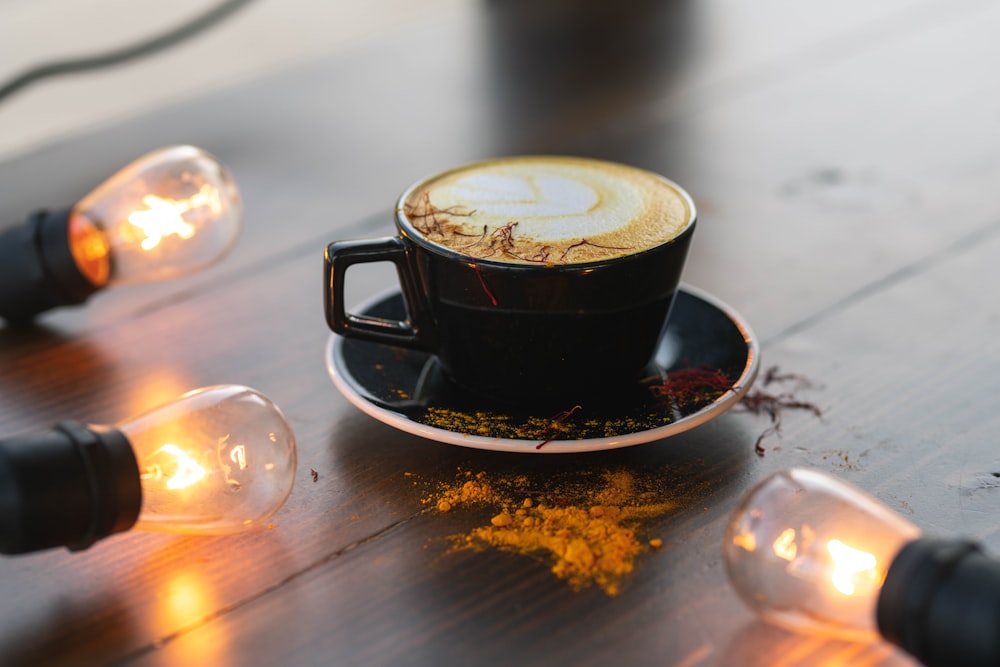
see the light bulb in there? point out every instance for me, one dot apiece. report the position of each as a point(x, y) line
point(171, 212)
point(813, 554)
point(217, 460)
point(808, 552)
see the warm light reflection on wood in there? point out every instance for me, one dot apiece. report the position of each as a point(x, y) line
point(762, 645)
point(156, 388)
point(184, 603)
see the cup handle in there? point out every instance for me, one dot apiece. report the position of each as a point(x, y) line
point(415, 332)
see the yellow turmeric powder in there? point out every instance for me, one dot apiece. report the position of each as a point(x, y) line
point(584, 529)
point(570, 425)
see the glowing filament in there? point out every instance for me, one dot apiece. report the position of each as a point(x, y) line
point(850, 566)
point(238, 455)
point(164, 217)
point(784, 546)
point(186, 469)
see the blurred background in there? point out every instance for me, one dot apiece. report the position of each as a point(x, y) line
point(260, 37)
point(773, 115)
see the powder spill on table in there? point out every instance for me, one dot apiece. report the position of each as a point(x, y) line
point(588, 527)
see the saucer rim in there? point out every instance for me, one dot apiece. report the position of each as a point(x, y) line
point(333, 350)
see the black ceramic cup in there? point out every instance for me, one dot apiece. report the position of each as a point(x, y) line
point(516, 331)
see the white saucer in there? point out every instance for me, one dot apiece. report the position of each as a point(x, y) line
point(405, 389)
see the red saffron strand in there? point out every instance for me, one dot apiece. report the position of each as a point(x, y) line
point(774, 374)
point(477, 241)
point(429, 212)
point(689, 380)
point(761, 402)
point(691, 388)
point(584, 242)
point(758, 446)
point(554, 424)
point(482, 283)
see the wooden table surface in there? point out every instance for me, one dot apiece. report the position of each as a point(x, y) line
point(846, 161)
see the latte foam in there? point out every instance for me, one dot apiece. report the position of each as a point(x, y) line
point(549, 210)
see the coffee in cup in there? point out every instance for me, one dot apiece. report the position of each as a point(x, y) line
point(529, 278)
point(547, 210)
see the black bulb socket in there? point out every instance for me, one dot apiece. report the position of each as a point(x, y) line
point(37, 268)
point(940, 602)
point(69, 487)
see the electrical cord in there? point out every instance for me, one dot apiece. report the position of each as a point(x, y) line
point(144, 48)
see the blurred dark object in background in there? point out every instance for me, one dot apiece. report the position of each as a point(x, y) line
point(565, 67)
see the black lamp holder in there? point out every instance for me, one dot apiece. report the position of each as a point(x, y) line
point(940, 602)
point(37, 269)
point(69, 486)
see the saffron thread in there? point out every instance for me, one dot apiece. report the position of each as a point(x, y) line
point(761, 402)
point(482, 283)
point(687, 388)
point(554, 424)
point(584, 242)
point(428, 214)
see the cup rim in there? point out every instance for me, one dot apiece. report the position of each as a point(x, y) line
point(408, 231)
